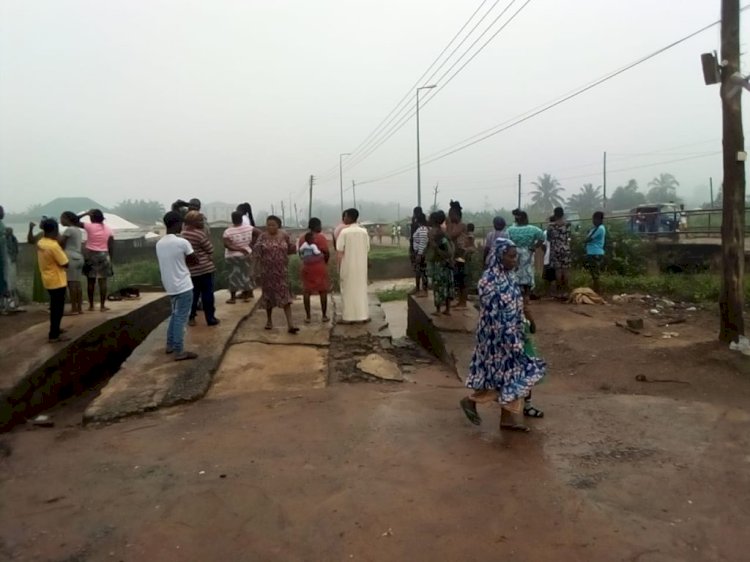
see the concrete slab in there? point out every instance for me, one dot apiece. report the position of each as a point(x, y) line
point(150, 379)
point(381, 367)
point(316, 333)
point(377, 327)
point(34, 373)
point(253, 366)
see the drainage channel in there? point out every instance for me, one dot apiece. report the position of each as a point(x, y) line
point(71, 376)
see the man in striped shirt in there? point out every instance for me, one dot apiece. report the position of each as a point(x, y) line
point(419, 248)
point(202, 272)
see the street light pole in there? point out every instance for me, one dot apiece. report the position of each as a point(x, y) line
point(419, 171)
point(341, 179)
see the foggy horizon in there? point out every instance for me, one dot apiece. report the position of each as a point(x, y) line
point(231, 101)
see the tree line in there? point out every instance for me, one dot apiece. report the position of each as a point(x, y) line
point(548, 194)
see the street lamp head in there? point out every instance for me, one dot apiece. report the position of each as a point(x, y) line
point(430, 87)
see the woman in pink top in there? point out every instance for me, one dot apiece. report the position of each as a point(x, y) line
point(97, 256)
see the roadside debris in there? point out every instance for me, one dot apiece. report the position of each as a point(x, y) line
point(635, 323)
point(669, 321)
point(742, 345)
point(42, 421)
point(584, 295)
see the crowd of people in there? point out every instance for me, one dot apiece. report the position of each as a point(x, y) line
point(504, 366)
point(443, 251)
point(256, 257)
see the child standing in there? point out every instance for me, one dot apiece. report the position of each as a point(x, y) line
point(52, 263)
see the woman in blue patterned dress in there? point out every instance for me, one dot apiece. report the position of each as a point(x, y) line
point(501, 370)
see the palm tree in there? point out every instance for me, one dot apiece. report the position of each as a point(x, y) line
point(663, 188)
point(548, 193)
point(587, 200)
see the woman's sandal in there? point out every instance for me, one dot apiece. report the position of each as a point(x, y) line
point(515, 427)
point(470, 409)
point(293, 330)
point(269, 326)
point(532, 412)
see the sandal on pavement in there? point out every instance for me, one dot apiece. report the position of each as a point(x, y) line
point(293, 330)
point(470, 409)
point(269, 326)
point(532, 412)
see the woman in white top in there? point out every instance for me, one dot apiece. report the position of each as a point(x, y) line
point(71, 241)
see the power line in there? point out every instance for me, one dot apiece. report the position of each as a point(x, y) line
point(488, 133)
point(408, 94)
point(406, 117)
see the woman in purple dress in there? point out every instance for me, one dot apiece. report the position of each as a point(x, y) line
point(273, 248)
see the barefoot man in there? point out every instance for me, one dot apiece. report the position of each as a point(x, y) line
point(353, 245)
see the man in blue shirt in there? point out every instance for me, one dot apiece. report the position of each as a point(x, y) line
point(595, 249)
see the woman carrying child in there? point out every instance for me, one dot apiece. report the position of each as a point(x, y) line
point(314, 254)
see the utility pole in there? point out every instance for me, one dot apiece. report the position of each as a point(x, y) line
point(434, 199)
point(711, 190)
point(296, 216)
point(341, 178)
point(604, 180)
point(309, 207)
point(283, 213)
point(354, 193)
point(731, 299)
point(519, 191)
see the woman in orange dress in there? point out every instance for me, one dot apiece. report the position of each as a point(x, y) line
point(315, 278)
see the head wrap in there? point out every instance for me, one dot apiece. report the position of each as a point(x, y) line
point(502, 245)
point(499, 223)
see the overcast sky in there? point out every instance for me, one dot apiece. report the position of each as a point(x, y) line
point(243, 100)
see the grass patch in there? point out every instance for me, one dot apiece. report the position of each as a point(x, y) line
point(387, 252)
point(393, 294)
point(141, 272)
point(698, 288)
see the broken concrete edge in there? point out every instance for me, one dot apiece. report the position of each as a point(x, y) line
point(195, 386)
point(41, 387)
point(421, 329)
point(352, 343)
point(381, 366)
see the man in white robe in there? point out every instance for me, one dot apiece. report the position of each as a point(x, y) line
point(353, 246)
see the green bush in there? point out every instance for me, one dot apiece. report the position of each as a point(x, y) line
point(625, 252)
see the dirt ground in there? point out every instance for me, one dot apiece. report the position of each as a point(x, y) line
point(617, 470)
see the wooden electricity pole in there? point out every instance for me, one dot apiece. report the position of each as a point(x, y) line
point(731, 299)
